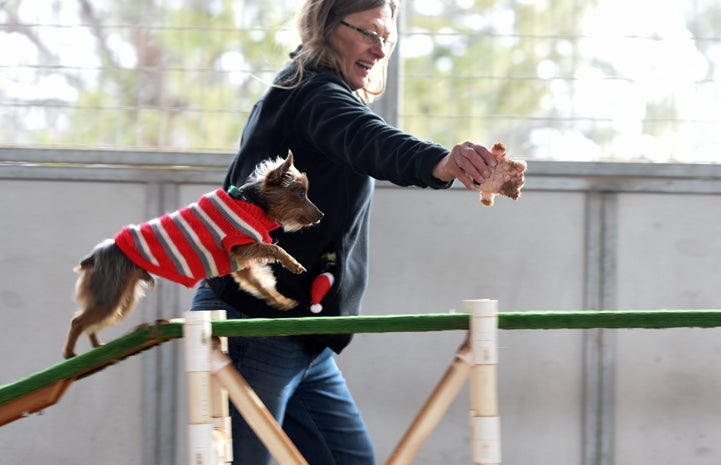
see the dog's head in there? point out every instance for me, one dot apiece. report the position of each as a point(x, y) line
point(283, 191)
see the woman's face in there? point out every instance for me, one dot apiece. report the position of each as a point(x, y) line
point(358, 53)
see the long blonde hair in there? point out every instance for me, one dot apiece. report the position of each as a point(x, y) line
point(316, 21)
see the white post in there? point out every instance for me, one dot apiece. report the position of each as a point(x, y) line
point(485, 422)
point(220, 405)
point(198, 344)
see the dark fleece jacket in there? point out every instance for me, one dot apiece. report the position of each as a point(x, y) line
point(342, 146)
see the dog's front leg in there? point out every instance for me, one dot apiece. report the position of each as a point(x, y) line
point(270, 252)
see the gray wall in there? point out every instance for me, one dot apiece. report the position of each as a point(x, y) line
point(582, 236)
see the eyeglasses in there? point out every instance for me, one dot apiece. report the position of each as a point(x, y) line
point(370, 37)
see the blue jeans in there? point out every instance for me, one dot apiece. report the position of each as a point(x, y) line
point(301, 385)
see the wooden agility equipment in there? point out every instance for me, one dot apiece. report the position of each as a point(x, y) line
point(485, 422)
point(212, 380)
point(219, 406)
point(255, 413)
point(34, 402)
point(209, 428)
point(477, 357)
point(434, 408)
point(34, 393)
point(198, 343)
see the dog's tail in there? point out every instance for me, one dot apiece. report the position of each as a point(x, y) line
point(89, 261)
point(108, 277)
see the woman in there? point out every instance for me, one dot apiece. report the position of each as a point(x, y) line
point(317, 108)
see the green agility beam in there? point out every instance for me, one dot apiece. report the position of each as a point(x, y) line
point(35, 392)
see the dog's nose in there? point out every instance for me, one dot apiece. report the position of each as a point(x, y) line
point(319, 216)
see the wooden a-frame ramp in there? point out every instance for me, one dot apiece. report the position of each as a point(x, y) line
point(36, 392)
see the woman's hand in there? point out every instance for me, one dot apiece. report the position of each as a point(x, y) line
point(468, 162)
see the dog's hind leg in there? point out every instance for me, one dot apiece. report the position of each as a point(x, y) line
point(107, 290)
point(81, 322)
point(76, 329)
point(94, 341)
point(259, 281)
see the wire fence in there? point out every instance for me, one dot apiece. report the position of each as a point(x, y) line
point(561, 79)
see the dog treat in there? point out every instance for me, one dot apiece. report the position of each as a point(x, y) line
point(506, 178)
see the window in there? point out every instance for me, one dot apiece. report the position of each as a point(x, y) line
point(553, 79)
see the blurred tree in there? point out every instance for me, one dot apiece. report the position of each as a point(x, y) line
point(475, 72)
point(170, 75)
point(550, 78)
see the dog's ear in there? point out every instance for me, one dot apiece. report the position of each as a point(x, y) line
point(288, 160)
point(278, 176)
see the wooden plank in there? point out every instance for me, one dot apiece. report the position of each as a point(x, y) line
point(33, 402)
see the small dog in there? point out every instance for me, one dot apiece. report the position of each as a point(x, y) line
point(223, 233)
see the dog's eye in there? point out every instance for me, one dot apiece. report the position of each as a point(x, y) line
point(301, 194)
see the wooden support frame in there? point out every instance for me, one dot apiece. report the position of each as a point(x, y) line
point(476, 358)
point(255, 413)
point(212, 380)
point(434, 408)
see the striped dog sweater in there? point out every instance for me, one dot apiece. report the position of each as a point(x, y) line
point(194, 242)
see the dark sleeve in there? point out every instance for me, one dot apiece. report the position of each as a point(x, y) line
point(338, 125)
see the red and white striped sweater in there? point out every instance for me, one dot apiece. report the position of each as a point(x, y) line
point(194, 242)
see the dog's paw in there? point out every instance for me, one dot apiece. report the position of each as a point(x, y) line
point(295, 267)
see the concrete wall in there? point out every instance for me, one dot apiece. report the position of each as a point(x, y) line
point(583, 236)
